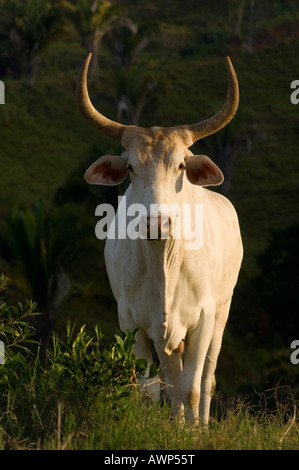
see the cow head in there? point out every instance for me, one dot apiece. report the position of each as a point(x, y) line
point(158, 160)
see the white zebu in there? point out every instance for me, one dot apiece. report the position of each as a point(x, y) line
point(174, 295)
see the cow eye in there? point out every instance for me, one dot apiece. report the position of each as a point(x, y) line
point(130, 168)
point(181, 166)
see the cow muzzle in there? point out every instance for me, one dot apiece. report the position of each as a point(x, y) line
point(157, 227)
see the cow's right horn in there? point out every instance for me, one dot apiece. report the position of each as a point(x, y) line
point(107, 126)
point(218, 121)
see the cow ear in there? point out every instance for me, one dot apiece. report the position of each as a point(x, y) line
point(202, 171)
point(108, 170)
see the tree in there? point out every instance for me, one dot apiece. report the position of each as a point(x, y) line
point(95, 19)
point(133, 89)
point(275, 295)
point(267, 316)
point(126, 44)
point(133, 99)
point(236, 14)
point(226, 144)
point(40, 247)
point(250, 27)
point(29, 28)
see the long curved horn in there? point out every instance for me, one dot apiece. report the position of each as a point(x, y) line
point(223, 117)
point(97, 120)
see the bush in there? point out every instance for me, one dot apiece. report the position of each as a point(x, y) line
point(76, 373)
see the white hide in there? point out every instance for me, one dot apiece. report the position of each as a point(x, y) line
point(173, 294)
point(176, 296)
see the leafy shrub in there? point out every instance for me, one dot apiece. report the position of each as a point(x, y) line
point(76, 373)
point(81, 363)
point(15, 331)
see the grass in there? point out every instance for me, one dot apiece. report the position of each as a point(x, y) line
point(132, 424)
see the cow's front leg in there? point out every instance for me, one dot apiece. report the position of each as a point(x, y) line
point(208, 381)
point(142, 350)
point(172, 367)
point(196, 347)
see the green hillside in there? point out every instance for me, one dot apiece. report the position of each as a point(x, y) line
point(46, 146)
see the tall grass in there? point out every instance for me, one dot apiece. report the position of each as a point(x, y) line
point(84, 397)
point(131, 424)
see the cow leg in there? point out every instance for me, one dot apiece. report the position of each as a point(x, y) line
point(208, 381)
point(196, 347)
point(142, 349)
point(172, 368)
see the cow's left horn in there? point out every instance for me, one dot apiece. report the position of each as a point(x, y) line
point(97, 120)
point(223, 117)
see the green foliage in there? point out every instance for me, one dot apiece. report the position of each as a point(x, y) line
point(30, 27)
point(278, 273)
point(43, 245)
point(90, 18)
point(41, 241)
point(80, 362)
point(76, 371)
point(272, 294)
point(15, 330)
point(83, 397)
point(266, 319)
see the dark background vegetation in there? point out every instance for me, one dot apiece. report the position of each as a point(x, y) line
point(154, 63)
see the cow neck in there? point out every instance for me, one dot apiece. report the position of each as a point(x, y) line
point(163, 260)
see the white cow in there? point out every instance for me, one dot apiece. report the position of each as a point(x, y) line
point(178, 297)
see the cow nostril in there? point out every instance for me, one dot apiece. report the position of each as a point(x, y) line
point(165, 223)
point(158, 226)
